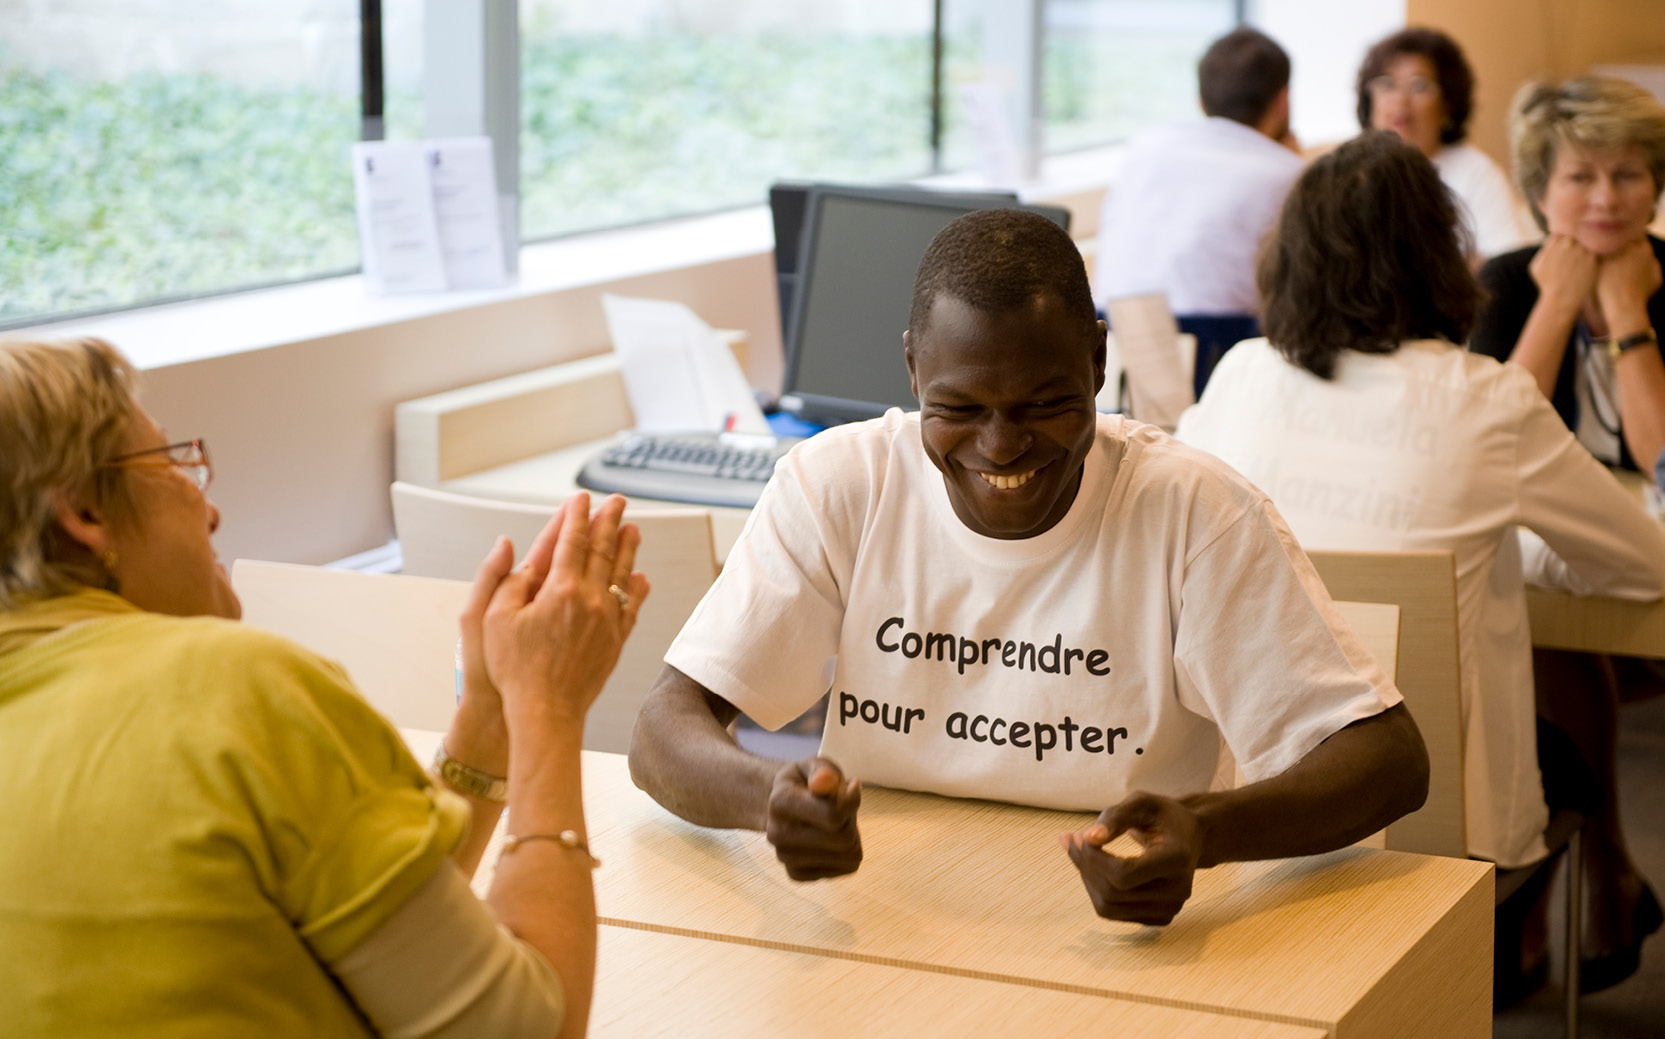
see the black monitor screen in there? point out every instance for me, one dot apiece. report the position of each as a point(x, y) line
point(860, 252)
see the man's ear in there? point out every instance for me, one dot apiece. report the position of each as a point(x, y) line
point(1100, 349)
point(907, 355)
point(82, 520)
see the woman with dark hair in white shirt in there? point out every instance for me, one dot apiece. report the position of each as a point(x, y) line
point(1371, 428)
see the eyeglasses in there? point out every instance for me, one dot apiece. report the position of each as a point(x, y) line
point(191, 456)
point(1416, 86)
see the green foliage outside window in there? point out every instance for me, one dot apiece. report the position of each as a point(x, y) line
point(162, 186)
point(620, 129)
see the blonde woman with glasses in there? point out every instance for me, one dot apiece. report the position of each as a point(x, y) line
point(208, 831)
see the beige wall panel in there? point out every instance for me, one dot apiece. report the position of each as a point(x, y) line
point(302, 434)
point(1509, 42)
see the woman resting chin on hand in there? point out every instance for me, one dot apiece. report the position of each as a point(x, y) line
point(217, 810)
point(1582, 312)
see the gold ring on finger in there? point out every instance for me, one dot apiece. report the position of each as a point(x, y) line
point(621, 595)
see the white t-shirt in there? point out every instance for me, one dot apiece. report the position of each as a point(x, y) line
point(1187, 213)
point(1168, 607)
point(1432, 448)
point(1496, 218)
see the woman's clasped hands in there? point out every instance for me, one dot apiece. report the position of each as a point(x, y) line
point(545, 635)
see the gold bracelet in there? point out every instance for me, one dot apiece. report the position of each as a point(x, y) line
point(566, 839)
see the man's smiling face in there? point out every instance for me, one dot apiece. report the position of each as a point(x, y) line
point(1006, 409)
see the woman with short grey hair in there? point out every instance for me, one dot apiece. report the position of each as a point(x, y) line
point(208, 831)
point(1583, 313)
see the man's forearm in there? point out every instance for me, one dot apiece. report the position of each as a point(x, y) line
point(1354, 783)
point(682, 755)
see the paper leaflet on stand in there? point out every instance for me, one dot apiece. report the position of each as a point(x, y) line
point(397, 233)
point(428, 215)
point(679, 375)
point(464, 181)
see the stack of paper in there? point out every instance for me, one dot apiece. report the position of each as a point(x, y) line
point(679, 375)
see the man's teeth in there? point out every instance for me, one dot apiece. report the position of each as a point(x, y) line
point(1007, 483)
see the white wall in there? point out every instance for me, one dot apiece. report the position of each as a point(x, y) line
point(1326, 40)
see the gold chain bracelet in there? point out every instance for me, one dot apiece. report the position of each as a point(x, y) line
point(566, 839)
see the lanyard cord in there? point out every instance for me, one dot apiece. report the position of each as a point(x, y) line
point(1597, 383)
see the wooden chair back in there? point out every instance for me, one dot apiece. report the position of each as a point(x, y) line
point(446, 535)
point(1377, 626)
point(1424, 587)
point(395, 635)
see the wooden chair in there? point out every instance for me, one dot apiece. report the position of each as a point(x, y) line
point(395, 635)
point(1157, 361)
point(446, 535)
point(1424, 585)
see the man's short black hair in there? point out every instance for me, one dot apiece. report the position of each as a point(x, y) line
point(996, 260)
point(1241, 74)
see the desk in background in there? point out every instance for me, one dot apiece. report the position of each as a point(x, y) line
point(525, 437)
point(1595, 624)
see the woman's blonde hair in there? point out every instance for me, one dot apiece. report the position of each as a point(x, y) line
point(64, 408)
point(1590, 112)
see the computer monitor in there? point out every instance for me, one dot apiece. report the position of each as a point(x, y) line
point(787, 201)
point(859, 254)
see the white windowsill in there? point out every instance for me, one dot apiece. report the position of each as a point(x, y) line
point(178, 333)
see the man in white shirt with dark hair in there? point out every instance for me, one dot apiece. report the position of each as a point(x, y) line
point(1012, 596)
point(1193, 199)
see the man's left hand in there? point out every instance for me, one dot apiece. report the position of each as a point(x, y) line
point(1148, 888)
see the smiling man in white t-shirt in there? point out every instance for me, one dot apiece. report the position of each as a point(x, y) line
point(1010, 596)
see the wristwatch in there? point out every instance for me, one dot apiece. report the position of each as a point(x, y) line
point(1615, 347)
point(466, 780)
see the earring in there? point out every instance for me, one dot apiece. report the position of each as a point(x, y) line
point(109, 560)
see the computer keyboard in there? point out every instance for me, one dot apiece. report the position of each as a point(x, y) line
point(698, 468)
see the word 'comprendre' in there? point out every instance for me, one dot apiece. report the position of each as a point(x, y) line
point(1052, 658)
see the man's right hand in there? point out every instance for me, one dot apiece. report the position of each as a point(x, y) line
point(812, 820)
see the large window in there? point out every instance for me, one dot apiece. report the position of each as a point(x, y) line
point(161, 149)
point(166, 148)
point(1114, 66)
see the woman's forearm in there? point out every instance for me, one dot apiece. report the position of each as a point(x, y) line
point(542, 889)
point(1640, 373)
point(1543, 343)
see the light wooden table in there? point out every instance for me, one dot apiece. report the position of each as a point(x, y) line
point(1595, 624)
point(651, 984)
point(1358, 943)
point(1355, 944)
